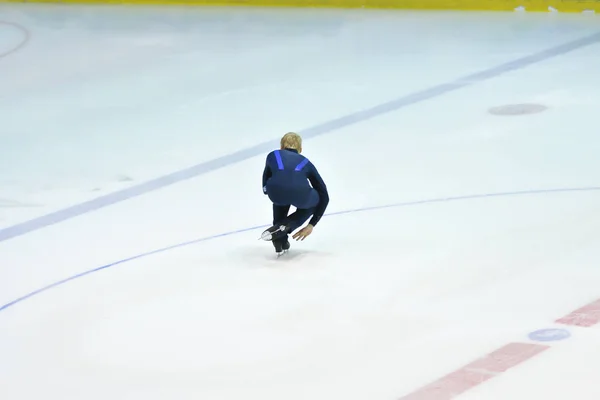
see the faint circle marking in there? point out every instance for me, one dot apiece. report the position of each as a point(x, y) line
point(549, 335)
point(25, 38)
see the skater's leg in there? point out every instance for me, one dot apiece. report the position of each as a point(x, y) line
point(298, 218)
point(303, 211)
point(280, 213)
point(291, 222)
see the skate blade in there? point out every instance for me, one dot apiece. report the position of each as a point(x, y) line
point(281, 253)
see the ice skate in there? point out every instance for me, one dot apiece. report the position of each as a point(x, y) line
point(273, 233)
point(281, 247)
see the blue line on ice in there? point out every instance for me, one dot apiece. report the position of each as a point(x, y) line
point(327, 127)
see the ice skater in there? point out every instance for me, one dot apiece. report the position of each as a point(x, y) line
point(290, 179)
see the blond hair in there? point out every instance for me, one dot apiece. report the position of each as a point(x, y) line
point(291, 140)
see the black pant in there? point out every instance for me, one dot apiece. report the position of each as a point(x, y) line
point(293, 221)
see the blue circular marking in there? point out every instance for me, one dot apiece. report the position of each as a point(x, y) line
point(549, 335)
point(357, 210)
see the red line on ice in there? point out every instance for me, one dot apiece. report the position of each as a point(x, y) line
point(477, 372)
point(586, 316)
point(499, 361)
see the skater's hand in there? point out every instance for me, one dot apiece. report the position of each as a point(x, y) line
point(303, 233)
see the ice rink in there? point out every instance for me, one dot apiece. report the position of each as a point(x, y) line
point(460, 253)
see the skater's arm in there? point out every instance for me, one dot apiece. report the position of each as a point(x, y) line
point(267, 173)
point(319, 185)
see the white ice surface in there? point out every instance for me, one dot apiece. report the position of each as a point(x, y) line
point(375, 303)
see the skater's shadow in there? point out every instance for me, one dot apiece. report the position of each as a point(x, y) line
point(259, 257)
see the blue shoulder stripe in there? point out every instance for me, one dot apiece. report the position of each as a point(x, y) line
point(278, 157)
point(302, 164)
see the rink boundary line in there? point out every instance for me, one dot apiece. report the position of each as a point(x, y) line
point(574, 317)
point(568, 6)
point(24, 41)
point(264, 147)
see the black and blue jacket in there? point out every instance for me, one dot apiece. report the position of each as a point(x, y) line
point(289, 178)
